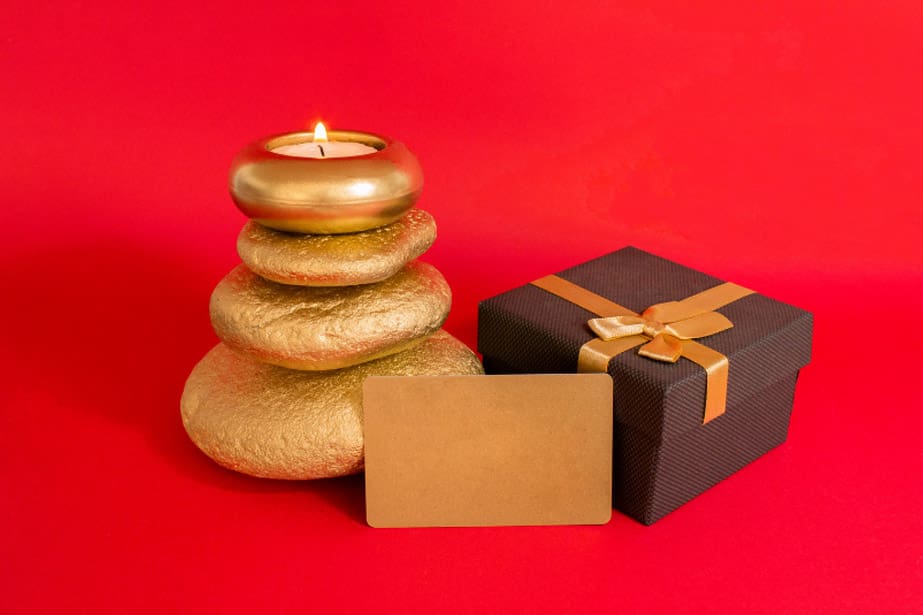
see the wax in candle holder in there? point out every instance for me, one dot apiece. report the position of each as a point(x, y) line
point(321, 147)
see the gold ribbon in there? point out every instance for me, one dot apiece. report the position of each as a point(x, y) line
point(664, 332)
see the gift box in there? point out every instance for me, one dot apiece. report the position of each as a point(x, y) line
point(703, 370)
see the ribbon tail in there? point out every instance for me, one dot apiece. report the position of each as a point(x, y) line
point(702, 325)
point(616, 326)
point(664, 348)
point(596, 354)
point(716, 382)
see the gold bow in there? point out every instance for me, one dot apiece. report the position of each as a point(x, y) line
point(665, 324)
point(666, 330)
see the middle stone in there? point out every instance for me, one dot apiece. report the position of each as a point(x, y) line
point(321, 328)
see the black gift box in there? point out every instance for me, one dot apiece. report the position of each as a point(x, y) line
point(664, 454)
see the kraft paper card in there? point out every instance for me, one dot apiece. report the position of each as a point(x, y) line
point(488, 450)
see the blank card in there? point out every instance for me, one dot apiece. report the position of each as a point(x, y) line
point(488, 450)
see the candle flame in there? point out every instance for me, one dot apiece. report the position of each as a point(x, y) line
point(320, 132)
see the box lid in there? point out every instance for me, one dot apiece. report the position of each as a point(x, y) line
point(535, 331)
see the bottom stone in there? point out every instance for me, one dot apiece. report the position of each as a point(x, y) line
point(274, 422)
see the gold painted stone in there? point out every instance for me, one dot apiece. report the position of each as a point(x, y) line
point(318, 328)
point(274, 422)
point(336, 260)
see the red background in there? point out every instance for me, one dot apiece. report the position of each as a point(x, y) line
point(778, 147)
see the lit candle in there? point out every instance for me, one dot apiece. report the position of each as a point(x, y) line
point(320, 147)
point(344, 181)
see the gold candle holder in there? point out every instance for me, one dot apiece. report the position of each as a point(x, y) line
point(325, 195)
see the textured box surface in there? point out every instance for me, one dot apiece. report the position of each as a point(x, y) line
point(488, 450)
point(659, 405)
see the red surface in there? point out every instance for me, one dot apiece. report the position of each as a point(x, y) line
point(778, 147)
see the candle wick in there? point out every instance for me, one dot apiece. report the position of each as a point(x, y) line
point(321, 147)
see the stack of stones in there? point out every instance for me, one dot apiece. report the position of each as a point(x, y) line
point(302, 322)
